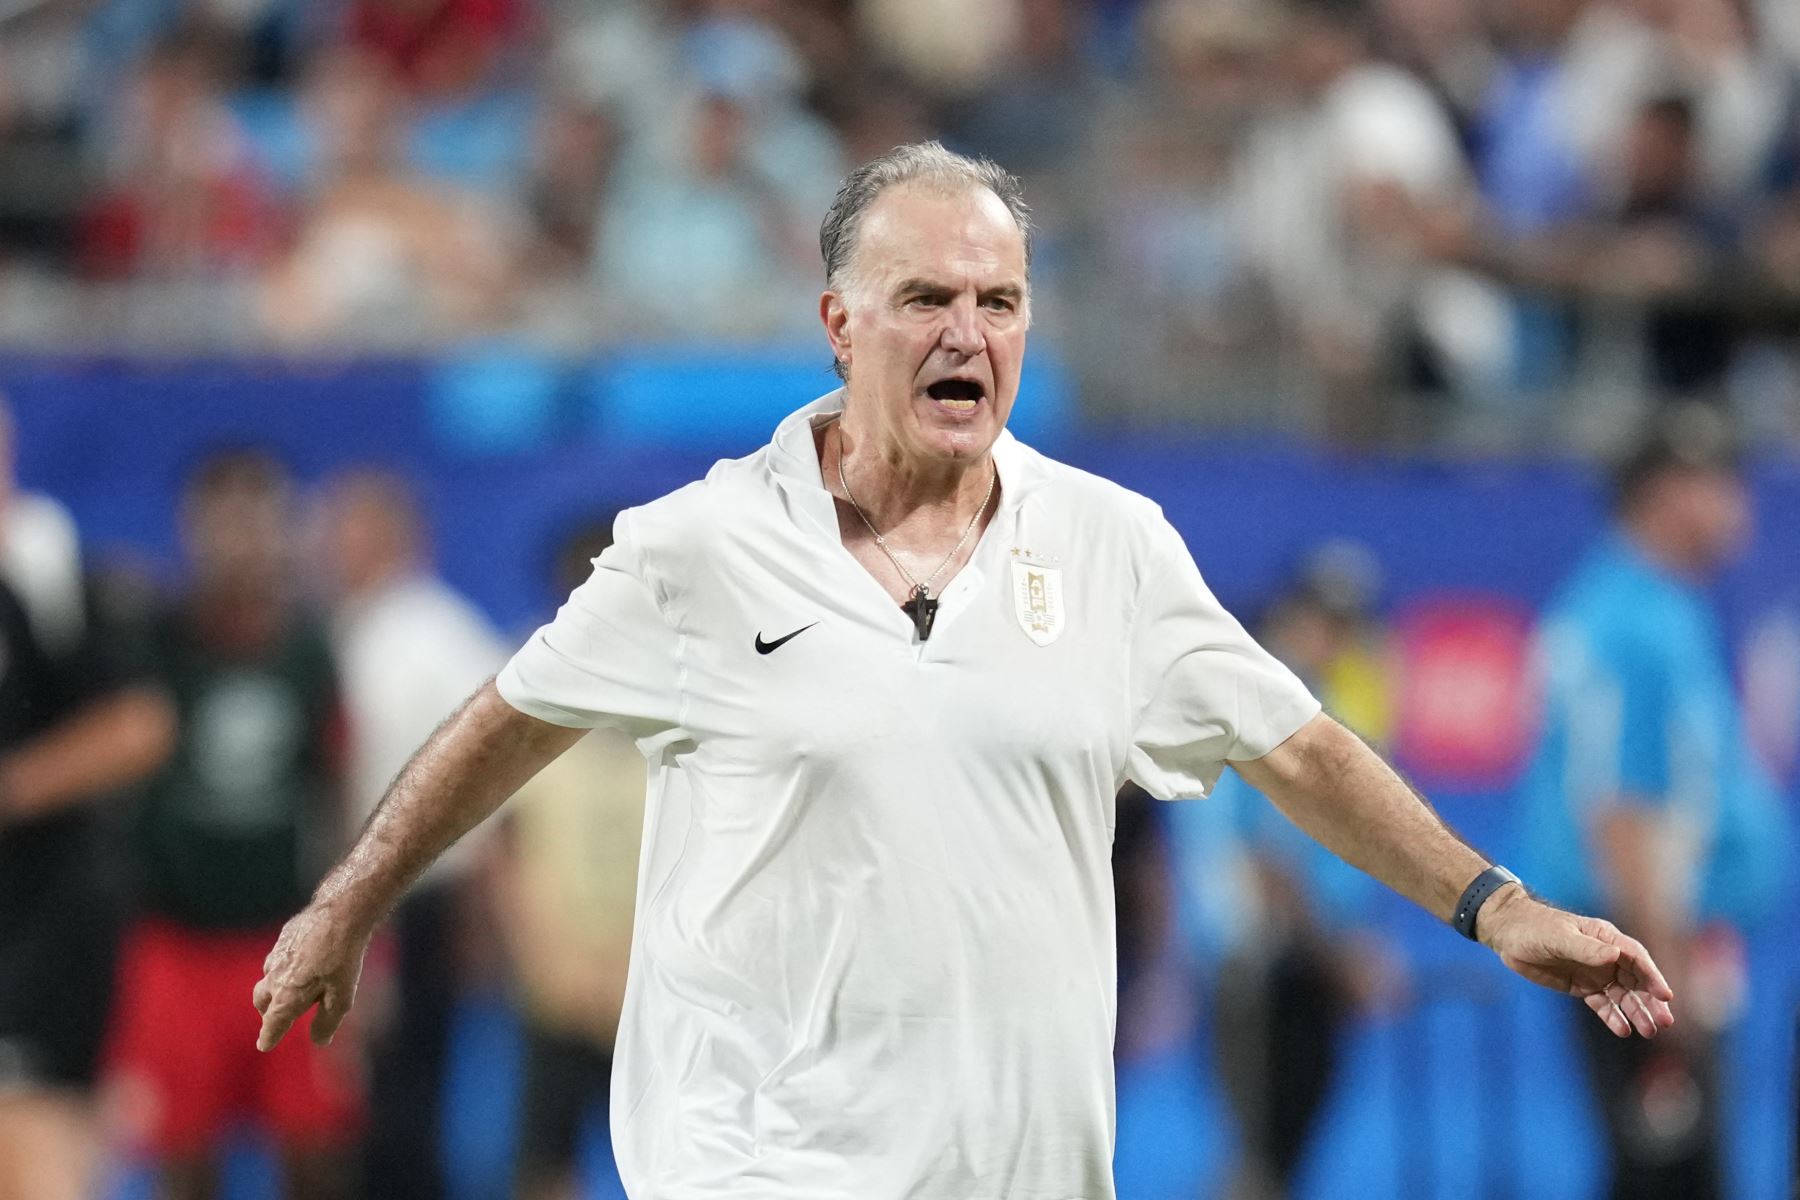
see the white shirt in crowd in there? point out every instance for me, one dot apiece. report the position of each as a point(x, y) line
point(874, 949)
point(41, 561)
point(408, 655)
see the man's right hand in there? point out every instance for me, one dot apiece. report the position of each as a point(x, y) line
point(475, 760)
point(317, 960)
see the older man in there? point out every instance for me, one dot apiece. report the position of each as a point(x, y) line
point(888, 672)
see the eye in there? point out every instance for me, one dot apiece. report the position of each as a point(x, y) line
point(928, 300)
point(1002, 304)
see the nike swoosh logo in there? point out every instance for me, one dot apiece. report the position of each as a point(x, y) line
point(763, 647)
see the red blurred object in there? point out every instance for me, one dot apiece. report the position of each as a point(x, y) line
point(1467, 707)
point(437, 46)
point(183, 1055)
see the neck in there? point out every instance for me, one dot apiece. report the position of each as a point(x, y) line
point(1665, 548)
point(890, 486)
point(376, 578)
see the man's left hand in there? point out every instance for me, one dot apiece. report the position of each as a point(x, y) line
point(1583, 957)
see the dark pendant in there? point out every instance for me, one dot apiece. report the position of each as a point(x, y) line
point(922, 608)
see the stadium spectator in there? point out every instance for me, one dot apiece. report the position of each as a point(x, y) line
point(576, 148)
point(1681, 243)
point(1445, 45)
point(79, 722)
point(1533, 176)
point(43, 67)
point(183, 196)
point(883, 112)
point(708, 223)
point(232, 830)
point(950, 51)
point(1280, 930)
point(1774, 239)
point(383, 255)
point(1622, 55)
point(1644, 800)
point(441, 49)
point(721, 116)
point(1358, 206)
point(1163, 262)
point(567, 891)
point(1033, 108)
point(702, 237)
point(409, 649)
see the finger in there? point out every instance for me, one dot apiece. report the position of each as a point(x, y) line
point(1637, 1009)
point(1609, 1013)
point(286, 1009)
point(262, 995)
point(1647, 976)
point(333, 1008)
point(1661, 1010)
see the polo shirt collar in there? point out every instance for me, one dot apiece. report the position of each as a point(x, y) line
point(794, 459)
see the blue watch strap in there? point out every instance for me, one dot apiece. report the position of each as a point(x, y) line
point(1475, 895)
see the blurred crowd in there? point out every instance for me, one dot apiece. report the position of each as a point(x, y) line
point(182, 755)
point(1362, 218)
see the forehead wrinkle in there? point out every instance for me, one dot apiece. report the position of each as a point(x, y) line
point(968, 252)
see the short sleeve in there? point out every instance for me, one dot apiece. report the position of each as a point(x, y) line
point(1618, 708)
point(1204, 691)
point(610, 658)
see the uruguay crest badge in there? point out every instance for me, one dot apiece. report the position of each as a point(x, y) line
point(1037, 597)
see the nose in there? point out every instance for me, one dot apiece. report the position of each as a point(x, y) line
point(962, 331)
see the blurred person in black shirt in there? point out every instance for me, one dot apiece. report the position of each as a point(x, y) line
point(233, 832)
point(77, 725)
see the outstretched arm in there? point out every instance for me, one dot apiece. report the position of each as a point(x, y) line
point(1341, 793)
point(110, 743)
point(467, 769)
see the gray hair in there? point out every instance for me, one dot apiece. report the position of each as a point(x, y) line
point(921, 162)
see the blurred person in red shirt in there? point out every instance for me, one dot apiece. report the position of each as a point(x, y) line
point(383, 255)
point(183, 196)
point(233, 830)
point(440, 48)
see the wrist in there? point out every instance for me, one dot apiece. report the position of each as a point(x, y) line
point(349, 913)
point(1493, 915)
point(1478, 895)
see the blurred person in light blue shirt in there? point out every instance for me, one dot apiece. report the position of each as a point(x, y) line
point(1644, 802)
point(707, 223)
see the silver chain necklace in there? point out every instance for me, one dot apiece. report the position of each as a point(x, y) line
point(920, 605)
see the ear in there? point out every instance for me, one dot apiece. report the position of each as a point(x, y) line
point(836, 318)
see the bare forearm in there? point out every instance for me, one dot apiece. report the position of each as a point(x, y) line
point(1341, 793)
point(467, 769)
point(107, 745)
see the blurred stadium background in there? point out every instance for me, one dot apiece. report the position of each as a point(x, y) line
point(1377, 285)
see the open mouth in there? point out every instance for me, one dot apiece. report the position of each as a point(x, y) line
point(958, 395)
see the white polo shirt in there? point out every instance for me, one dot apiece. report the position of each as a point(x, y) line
point(874, 952)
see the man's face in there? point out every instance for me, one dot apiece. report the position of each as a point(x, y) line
point(239, 535)
point(932, 321)
point(1716, 508)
